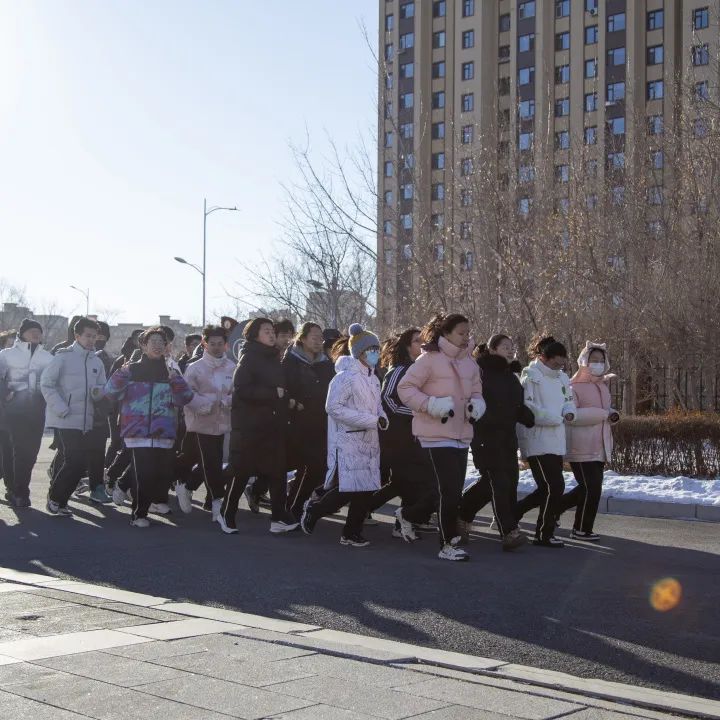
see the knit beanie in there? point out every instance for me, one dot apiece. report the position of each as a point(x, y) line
point(361, 340)
point(104, 328)
point(28, 324)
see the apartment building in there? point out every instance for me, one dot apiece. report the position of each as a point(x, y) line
point(515, 85)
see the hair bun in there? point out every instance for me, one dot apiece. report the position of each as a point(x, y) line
point(355, 329)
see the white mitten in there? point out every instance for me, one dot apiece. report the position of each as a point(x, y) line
point(440, 407)
point(476, 409)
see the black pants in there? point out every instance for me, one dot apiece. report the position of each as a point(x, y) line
point(358, 507)
point(449, 466)
point(76, 452)
point(116, 443)
point(310, 473)
point(585, 498)
point(26, 432)
point(547, 472)
point(206, 451)
point(496, 485)
point(6, 459)
point(119, 464)
point(153, 470)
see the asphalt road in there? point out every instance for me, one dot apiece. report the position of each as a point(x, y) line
point(583, 610)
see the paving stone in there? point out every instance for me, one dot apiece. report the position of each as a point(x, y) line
point(323, 712)
point(234, 699)
point(11, 587)
point(483, 697)
point(603, 714)
point(178, 629)
point(21, 576)
point(22, 672)
point(15, 707)
point(461, 712)
point(358, 696)
point(5, 660)
point(100, 591)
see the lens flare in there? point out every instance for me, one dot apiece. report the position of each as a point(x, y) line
point(665, 594)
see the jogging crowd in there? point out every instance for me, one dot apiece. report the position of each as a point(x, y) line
point(314, 419)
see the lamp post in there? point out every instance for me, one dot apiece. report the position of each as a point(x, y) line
point(206, 211)
point(86, 295)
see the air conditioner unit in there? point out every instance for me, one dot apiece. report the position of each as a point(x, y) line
point(593, 11)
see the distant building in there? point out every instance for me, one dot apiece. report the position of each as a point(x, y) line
point(120, 332)
point(55, 327)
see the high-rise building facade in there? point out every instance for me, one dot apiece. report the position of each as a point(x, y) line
point(515, 85)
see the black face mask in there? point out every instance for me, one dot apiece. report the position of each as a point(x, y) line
point(100, 344)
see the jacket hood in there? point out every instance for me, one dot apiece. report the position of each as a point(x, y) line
point(296, 352)
point(443, 345)
point(583, 374)
point(214, 362)
point(537, 369)
point(257, 348)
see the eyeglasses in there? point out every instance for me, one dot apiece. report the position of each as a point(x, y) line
point(157, 342)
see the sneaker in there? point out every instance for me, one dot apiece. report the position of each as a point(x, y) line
point(140, 522)
point(370, 521)
point(307, 521)
point(463, 527)
point(396, 530)
point(451, 552)
point(586, 536)
point(226, 527)
point(354, 540)
point(252, 501)
point(56, 509)
point(406, 528)
point(551, 542)
point(118, 496)
point(264, 500)
point(184, 497)
point(159, 508)
point(215, 508)
point(425, 528)
point(100, 496)
point(513, 540)
point(82, 488)
point(283, 526)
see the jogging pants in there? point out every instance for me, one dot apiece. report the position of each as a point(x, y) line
point(310, 473)
point(153, 470)
point(449, 466)
point(206, 451)
point(6, 459)
point(585, 498)
point(497, 485)
point(358, 505)
point(547, 472)
point(26, 432)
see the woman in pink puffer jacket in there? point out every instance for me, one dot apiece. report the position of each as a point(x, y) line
point(589, 438)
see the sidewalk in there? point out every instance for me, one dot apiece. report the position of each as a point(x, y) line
point(71, 650)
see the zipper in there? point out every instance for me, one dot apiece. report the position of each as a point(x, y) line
point(87, 355)
point(150, 410)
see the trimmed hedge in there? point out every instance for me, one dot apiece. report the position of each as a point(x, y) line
point(676, 443)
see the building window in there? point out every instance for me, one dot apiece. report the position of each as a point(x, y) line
point(591, 35)
point(438, 161)
point(562, 74)
point(591, 6)
point(655, 90)
point(504, 23)
point(591, 68)
point(526, 43)
point(615, 91)
point(408, 161)
point(406, 221)
point(590, 102)
point(438, 70)
point(562, 140)
point(465, 230)
point(468, 102)
point(407, 10)
point(524, 205)
point(388, 109)
point(591, 168)
point(562, 8)
point(616, 57)
point(503, 148)
point(655, 19)
point(466, 167)
point(407, 191)
point(702, 91)
point(439, 8)
point(468, 8)
point(467, 134)
point(616, 22)
point(616, 160)
point(389, 256)
point(618, 195)
point(388, 169)
point(438, 100)
point(656, 125)
point(407, 252)
point(655, 195)
point(700, 18)
point(526, 76)
point(526, 173)
point(438, 130)
point(389, 81)
point(503, 86)
point(590, 137)
point(468, 70)
point(466, 197)
point(387, 225)
point(406, 101)
point(655, 55)
point(591, 201)
point(504, 117)
point(562, 173)
point(526, 109)
point(437, 221)
point(562, 41)
point(388, 139)
point(389, 51)
point(700, 128)
point(439, 249)
point(439, 39)
point(526, 10)
point(407, 130)
point(562, 107)
point(562, 206)
point(657, 159)
point(438, 191)
point(466, 260)
point(388, 198)
point(701, 55)
point(468, 39)
point(407, 41)
point(616, 126)
point(407, 70)
point(389, 23)
point(504, 53)
point(526, 140)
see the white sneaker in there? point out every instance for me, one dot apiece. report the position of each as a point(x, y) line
point(82, 488)
point(159, 508)
point(225, 527)
point(118, 496)
point(450, 552)
point(184, 497)
point(216, 506)
point(406, 528)
point(140, 522)
point(280, 526)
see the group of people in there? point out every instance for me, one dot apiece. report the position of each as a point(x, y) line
point(316, 420)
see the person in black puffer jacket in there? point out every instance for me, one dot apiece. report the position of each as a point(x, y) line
point(495, 444)
point(259, 426)
point(308, 372)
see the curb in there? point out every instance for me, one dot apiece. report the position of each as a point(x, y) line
point(371, 649)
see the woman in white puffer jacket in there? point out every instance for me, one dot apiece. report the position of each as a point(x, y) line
point(548, 394)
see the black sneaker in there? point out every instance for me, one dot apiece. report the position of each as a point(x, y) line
point(586, 536)
point(307, 521)
point(354, 540)
point(551, 542)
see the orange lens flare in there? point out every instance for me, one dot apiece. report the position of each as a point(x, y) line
point(665, 594)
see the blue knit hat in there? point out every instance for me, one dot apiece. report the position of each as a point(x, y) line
point(361, 340)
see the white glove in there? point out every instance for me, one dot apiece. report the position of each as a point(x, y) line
point(205, 410)
point(476, 409)
point(440, 407)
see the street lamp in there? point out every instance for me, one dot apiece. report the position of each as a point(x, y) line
point(86, 295)
point(206, 211)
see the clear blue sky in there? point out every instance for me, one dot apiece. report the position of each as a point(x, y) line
point(118, 116)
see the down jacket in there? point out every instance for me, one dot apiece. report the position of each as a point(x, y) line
point(21, 370)
point(550, 397)
point(211, 380)
point(353, 406)
point(442, 370)
point(67, 385)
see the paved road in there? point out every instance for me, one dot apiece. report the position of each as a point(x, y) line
point(582, 610)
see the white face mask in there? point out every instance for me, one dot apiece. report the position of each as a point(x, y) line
point(597, 369)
